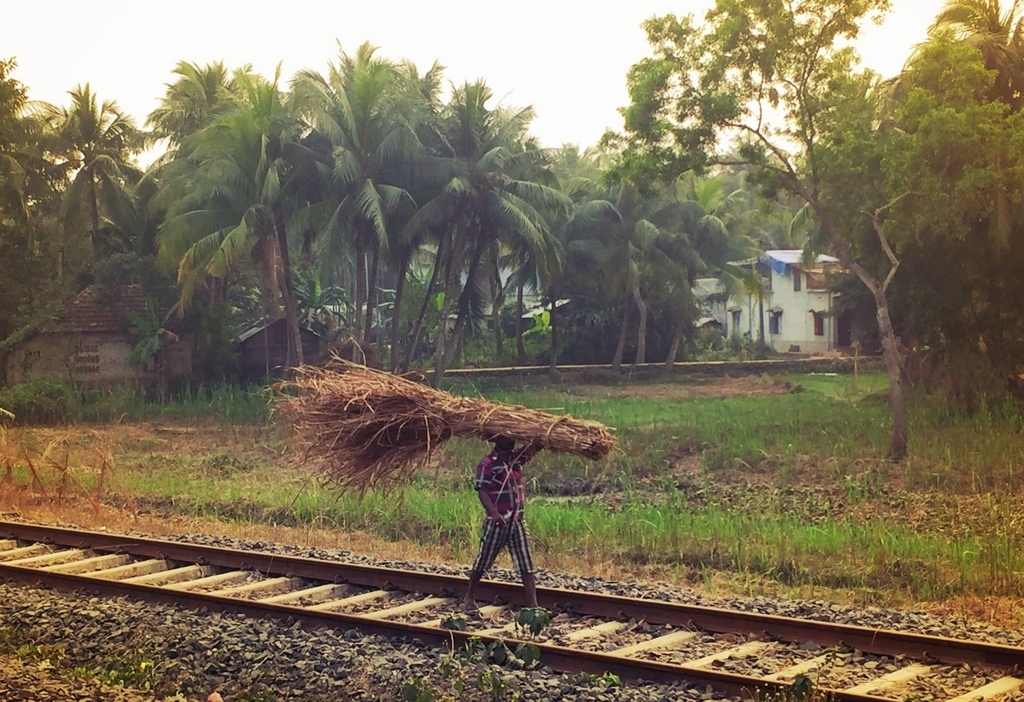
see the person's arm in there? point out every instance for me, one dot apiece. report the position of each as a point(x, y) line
point(524, 454)
point(488, 504)
point(483, 474)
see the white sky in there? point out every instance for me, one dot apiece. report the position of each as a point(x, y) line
point(567, 58)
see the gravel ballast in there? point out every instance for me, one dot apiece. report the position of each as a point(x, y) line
point(895, 619)
point(195, 653)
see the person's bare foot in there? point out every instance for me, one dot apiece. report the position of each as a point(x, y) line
point(469, 607)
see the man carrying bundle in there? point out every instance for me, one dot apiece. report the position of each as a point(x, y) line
point(499, 485)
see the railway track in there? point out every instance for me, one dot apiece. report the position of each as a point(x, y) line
point(739, 653)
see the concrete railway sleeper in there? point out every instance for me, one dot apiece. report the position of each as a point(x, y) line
point(739, 653)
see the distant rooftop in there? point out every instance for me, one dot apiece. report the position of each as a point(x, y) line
point(706, 287)
point(102, 310)
point(781, 259)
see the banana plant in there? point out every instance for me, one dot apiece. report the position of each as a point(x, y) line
point(153, 338)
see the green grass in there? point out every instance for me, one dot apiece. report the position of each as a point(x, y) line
point(789, 489)
point(48, 401)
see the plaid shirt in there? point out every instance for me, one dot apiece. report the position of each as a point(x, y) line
point(500, 474)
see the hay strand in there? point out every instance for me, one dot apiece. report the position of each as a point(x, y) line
point(366, 428)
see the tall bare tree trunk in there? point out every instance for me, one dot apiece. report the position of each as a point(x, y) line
point(894, 367)
point(371, 292)
point(357, 328)
point(620, 348)
point(290, 311)
point(760, 310)
point(269, 269)
point(396, 311)
point(520, 349)
point(553, 366)
point(417, 330)
point(677, 335)
point(463, 315)
point(641, 331)
point(497, 302)
point(94, 211)
point(899, 440)
point(451, 285)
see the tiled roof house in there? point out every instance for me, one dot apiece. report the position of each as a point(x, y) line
point(90, 343)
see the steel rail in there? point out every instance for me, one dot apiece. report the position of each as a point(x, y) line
point(940, 649)
point(557, 657)
point(683, 617)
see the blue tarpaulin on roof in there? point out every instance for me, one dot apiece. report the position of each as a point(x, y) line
point(775, 264)
point(780, 259)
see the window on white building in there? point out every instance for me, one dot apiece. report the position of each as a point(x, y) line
point(819, 323)
point(815, 280)
point(774, 322)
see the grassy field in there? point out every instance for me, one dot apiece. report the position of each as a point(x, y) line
point(761, 485)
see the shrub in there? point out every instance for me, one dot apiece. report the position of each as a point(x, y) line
point(41, 401)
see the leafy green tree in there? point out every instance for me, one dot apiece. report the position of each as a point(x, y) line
point(783, 226)
point(641, 244)
point(423, 177)
point(750, 61)
point(28, 207)
point(13, 139)
point(997, 34)
point(96, 143)
point(15, 216)
point(710, 212)
point(198, 96)
point(364, 110)
point(496, 193)
point(960, 155)
point(235, 199)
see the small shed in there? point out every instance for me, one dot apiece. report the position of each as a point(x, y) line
point(90, 342)
point(263, 348)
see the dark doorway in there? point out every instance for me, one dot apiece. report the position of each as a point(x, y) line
point(843, 334)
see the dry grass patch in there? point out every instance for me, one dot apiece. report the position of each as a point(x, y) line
point(1005, 612)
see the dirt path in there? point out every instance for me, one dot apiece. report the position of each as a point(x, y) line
point(713, 388)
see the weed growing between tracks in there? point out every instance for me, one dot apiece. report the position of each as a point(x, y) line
point(133, 669)
point(805, 687)
point(479, 666)
point(741, 485)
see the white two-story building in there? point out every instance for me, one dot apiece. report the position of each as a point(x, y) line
point(795, 305)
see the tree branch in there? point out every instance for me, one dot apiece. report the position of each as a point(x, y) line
point(876, 223)
point(787, 167)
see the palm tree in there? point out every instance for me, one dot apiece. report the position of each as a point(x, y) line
point(706, 210)
point(654, 246)
point(97, 143)
point(617, 234)
point(132, 222)
point(997, 34)
point(422, 176)
point(496, 194)
point(785, 227)
point(28, 204)
point(14, 171)
point(237, 199)
point(526, 275)
point(363, 109)
point(199, 96)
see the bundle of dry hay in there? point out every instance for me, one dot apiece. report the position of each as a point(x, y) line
point(368, 428)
